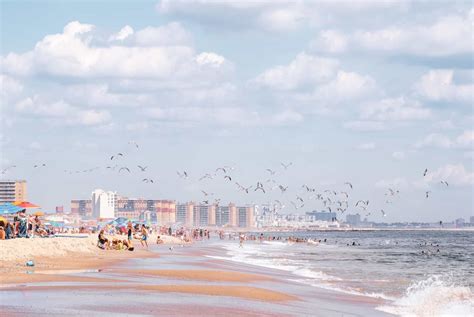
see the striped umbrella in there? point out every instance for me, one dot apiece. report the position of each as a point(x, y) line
point(9, 208)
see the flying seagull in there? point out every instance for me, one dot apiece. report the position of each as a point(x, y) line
point(183, 175)
point(425, 172)
point(124, 169)
point(427, 194)
point(347, 183)
point(206, 193)
point(286, 165)
point(270, 171)
point(383, 213)
point(134, 143)
point(228, 177)
point(142, 168)
point(283, 189)
point(445, 183)
point(147, 180)
point(259, 186)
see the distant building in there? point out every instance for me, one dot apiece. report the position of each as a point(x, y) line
point(460, 222)
point(471, 220)
point(81, 207)
point(162, 212)
point(353, 219)
point(103, 204)
point(321, 216)
point(12, 190)
point(59, 209)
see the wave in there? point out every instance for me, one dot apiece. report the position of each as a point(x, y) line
point(438, 295)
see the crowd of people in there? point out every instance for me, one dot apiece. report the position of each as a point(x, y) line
point(24, 226)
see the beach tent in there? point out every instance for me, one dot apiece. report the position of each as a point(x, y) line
point(25, 204)
point(9, 208)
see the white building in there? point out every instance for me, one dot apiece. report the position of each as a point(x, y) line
point(103, 204)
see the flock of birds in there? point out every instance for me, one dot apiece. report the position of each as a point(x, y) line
point(330, 200)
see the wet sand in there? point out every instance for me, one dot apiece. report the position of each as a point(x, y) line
point(160, 282)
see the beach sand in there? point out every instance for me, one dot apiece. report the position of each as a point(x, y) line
point(158, 282)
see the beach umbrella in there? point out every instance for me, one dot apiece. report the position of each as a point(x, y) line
point(3, 219)
point(38, 213)
point(9, 208)
point(25, 204)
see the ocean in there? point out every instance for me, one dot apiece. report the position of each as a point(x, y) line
point(417, 273)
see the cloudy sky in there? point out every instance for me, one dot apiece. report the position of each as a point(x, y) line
point(371, 92)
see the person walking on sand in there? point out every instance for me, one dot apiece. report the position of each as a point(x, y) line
point(241, 241)
point(129, 231)
point(144, 236)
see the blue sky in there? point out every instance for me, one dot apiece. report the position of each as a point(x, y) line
point(370, 92)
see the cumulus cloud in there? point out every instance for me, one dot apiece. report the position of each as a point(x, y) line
point(364, 126)
point(61, 112)
point(436, 140)
point(438, 85)
point(72, 54)
point(454, 174)
point(330, 41)
point(398, 182)
point(121, 35)
point(305, 71)
point(395, 109)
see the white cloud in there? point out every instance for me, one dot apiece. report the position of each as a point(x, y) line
point(448, 35)
point(398, 109)
point(398, 155)
point(61, 112)
point(435, 140)
point(305, 71)
point(121, 35)
point(345, 86)
point(438, 85)
point(71, 54)
point(282, 19)
point(10, 89)
point(167, 35)
point(366, 146)
point(463, 141)
point(454, 174)
point(395, 183)
point(330, 41)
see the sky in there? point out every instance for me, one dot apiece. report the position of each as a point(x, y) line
point(366, 92)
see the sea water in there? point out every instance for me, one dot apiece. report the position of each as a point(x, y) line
point(418, 273)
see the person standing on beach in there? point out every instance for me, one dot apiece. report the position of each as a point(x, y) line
point(129, 231)
point(144, 236)
point(241, 241)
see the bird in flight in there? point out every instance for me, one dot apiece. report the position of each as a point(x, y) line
point(206, 193)
point(347, 183)
point(259, 186)
point(425, 172)
point(124, 169)
point(134, 143)
point(383, 213)
point(283, 189)
point(7, 168)
point(427, 194)
point(445, 183)
point(142, 168)
point(207, 175)
point(42, 165)
point(115, 156)
point(183, 175)
point(285, 166)
point(221, 169)
point(228, 177)
point(147, 180)
point(270, 171)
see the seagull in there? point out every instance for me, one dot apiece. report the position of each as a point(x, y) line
point(221, 169)
point(247, 189)
point(206, 176)
point(7, 168)
point(142, 168)
point(182, 175)
point(445, 183)
point(228, 177)
point(115, 156)
point(42, 165)
point(299, 198)
point(217, 201)
point(428, 193)
point(205, 202)
point(206, 193)
point(134, 143)
point(329, 208)
point(270, 171)
point(383, 213)
point(259, 186)
point(147, 180)
point(286, 165)
point(124, 169)
point(294, 205)
point(283, 189)
point(347, 183)
point(425, 172)
point(345, 194)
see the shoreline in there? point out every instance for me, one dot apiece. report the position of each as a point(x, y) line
point(181, 277)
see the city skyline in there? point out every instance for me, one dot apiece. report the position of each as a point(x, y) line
point(344, 100)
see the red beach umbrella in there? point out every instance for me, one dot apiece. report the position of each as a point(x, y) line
point(26, 204)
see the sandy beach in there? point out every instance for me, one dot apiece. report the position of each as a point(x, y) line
point(84, 280)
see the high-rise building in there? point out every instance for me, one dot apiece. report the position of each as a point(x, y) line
point(185, 214)
point(246, 217)
point(81, 207)
point(12, 190)
point(321, 216)
point(59, 209)
point(353, 219)
point(103, 204)
point(162, 212)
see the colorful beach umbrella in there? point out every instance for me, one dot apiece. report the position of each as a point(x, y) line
point(9, 208)
point(26, 204)
point(38, 213)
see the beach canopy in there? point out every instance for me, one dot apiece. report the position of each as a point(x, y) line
point(9, 208)
point(25, 204)
point(38, 213)
point(3, 219)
